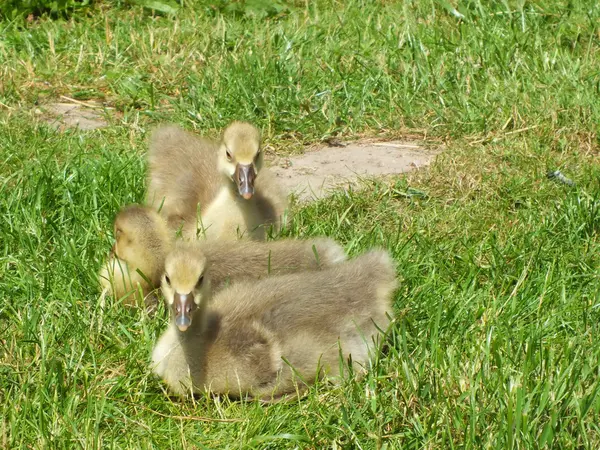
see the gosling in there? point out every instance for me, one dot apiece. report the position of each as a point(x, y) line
point(249, 199)
point(143, 241)
point(189, 175)
point(267, 338)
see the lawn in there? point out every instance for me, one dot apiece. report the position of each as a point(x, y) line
point(497, 316)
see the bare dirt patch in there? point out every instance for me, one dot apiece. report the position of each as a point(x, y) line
point(316, 173)
point(309, 176)
point(73, 115)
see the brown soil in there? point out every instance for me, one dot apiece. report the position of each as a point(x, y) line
point(314, 174)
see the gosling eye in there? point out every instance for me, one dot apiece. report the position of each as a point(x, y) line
point(118, 233)
point(200, 281)
point(228, 154)
point(167, 279)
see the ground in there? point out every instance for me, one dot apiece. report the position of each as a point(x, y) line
point(494, 343)
point(308, 176)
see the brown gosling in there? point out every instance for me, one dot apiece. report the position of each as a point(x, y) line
point(249, 199)
point(261, 338)
point(143, 241)
point(188, 175)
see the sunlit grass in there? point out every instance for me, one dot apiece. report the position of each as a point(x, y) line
point(494, 343)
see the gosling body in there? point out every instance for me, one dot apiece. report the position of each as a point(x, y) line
point(143, 241)
point(182, 176)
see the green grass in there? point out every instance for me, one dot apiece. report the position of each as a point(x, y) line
point(495, 343)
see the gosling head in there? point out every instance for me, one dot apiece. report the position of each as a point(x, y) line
point(240, 156)
point(184, 284)
point(140, 237)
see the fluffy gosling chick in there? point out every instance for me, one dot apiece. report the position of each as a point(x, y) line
point(250, 198)
point(239, 342)
point(142, 240)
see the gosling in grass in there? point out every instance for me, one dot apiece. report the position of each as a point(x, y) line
point(249, 199)
point(268, 338)
point(143, 241)
point(188, 175)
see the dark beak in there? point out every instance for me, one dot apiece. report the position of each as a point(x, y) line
point(244, 177)
point(183, 307)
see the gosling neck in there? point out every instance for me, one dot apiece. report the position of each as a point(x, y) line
point(158, 262)
point(152, 262)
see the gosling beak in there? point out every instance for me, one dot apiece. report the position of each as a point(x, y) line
point(183, 306)
point(244, 177)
